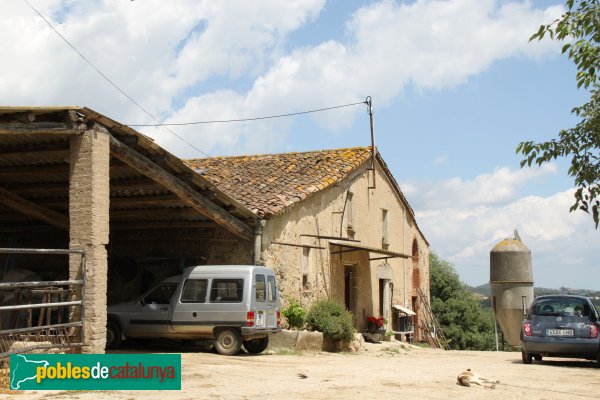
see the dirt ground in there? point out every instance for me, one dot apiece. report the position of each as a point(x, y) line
point(382, 371)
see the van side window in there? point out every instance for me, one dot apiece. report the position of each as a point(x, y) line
point(161, 295)
point(194, 291)
point(272, 288)
point(227, 290)
point(261, 288)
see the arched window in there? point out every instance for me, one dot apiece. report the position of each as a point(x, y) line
point(416, 278)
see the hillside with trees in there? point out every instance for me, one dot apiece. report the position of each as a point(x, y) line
point(484, 291)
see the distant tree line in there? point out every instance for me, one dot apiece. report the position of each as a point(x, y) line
point(485, 292)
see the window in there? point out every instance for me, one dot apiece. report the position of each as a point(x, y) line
point(227, 291)
point(194, 291)
point(305, 266)
point(261, 288)
point(272, 289)
point(161, 295)
point(562, 307)
point(384, 227)
point(349, 211)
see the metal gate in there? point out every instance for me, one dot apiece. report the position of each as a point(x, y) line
point(45, 316)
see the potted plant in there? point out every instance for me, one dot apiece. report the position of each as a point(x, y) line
point(376, 325)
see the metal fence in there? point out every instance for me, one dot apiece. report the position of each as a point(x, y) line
point(45, 316)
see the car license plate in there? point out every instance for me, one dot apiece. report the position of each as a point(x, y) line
point(260, 318)
point(559, 332)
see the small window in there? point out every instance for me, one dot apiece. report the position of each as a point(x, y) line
point(272, 289)
point(194, 291)
point(261, 288)
point(227, 291)
point(306, 253)
point(349, 211)
point(384, 227)
point(161, 295)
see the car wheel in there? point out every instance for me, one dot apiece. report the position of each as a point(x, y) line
point(257, 345)
point(537, 357)
point(228, 342)
point(113, 335)
point(527, 359)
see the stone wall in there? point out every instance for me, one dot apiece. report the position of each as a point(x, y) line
point(326, 214)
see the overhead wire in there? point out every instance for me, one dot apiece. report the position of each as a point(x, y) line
point(251, 118)
point(108, 79)
point(166, 125)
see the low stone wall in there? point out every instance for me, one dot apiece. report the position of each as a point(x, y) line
point(313, 341)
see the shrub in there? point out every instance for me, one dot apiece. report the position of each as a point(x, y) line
point(331, 318)
point(294, 313)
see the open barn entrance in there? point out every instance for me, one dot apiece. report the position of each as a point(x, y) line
point(71, 178)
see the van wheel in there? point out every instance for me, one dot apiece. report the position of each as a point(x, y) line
point(228, 342)
point(527, 358)
point(113, 335)
point(256, 346)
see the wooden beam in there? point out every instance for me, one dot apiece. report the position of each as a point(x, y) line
point(164, 201)
point(18, 172)
point(181, 189)
point(29, 228)
point(61, 189)
point(34, 148)
point(54, 128)
point(119, 226)
point(31, 209)
point(164, 214)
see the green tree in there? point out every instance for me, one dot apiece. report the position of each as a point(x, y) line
point(465, 324)
point(579, 25)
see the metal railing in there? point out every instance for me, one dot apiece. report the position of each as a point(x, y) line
point(42, 316)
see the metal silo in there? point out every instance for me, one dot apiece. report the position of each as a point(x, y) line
point(511, 281)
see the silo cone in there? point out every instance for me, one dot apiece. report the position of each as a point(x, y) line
point(511, 281)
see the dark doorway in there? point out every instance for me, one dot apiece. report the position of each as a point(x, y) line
point(415, 308)
point(349, 287)
point(381, 295)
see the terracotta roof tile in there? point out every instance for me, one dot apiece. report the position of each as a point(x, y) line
point(268, 183)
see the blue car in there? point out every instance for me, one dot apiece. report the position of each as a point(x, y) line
point(561, 326)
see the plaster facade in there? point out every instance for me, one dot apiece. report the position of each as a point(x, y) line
point(349, 209)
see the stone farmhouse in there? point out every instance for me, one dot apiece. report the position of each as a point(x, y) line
point(330, 226)
point(107, 210)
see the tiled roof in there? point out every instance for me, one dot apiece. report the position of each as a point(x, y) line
point(268, 183)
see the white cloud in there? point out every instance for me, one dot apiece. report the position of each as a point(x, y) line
point(498, 187)
point(163, 53)
point(151, 49)
point(464, 231)
point(390, 46)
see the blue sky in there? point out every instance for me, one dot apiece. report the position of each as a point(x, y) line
point(455, 85)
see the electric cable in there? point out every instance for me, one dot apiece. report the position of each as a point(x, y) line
point(251, 118)
point(109, 80)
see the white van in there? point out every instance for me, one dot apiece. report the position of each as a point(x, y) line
point(233, 305)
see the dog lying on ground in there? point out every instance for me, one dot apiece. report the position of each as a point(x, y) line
point(468, 378)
